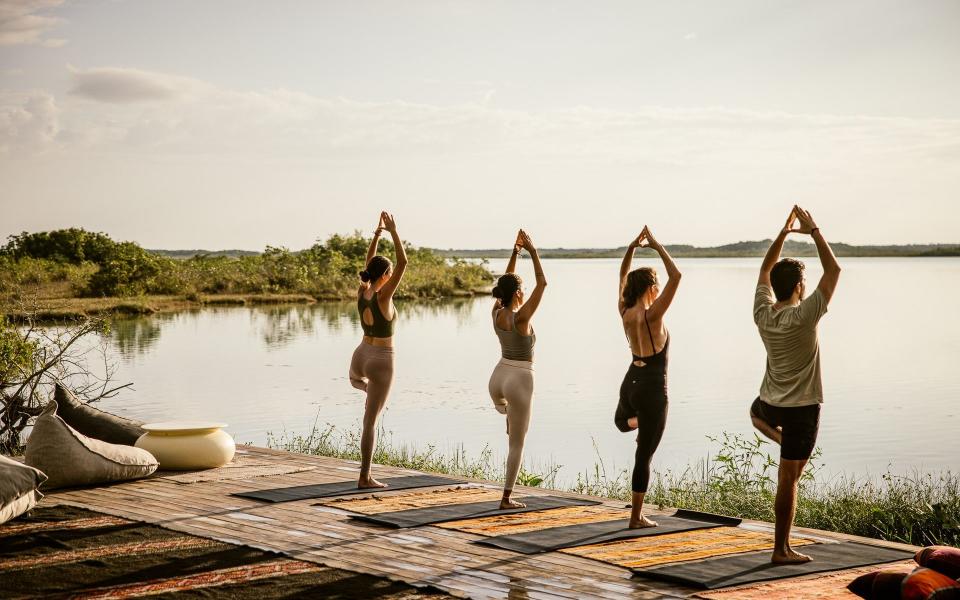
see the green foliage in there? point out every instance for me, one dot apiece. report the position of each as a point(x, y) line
point(94, 265)
point(16, 354)
point(73, 246)
point(127, 270)
point(329, 442)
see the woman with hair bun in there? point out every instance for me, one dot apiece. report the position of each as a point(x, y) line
point(511, 384)
point(643, 393)
point(371, 368)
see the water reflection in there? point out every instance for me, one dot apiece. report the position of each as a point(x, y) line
point(278, 325)
point(133, 336)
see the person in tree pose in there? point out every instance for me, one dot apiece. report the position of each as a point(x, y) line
point(511, 384)
point(788, 408)
point(643, 393)
point(371, 368)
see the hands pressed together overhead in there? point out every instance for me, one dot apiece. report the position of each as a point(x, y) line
point(801, 216)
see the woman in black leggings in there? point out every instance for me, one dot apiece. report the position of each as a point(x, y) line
point(643, 394)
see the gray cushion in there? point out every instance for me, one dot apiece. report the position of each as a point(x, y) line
point(93, 422)
point(18, 488)
point(70, 458)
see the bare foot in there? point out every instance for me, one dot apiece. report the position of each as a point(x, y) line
point(508, 503)
point(369, 482)
point(643, 523)
point(790, 557)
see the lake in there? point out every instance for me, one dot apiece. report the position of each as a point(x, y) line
point(889, 345)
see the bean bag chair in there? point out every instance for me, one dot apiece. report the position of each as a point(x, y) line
point(942, 559)
point(95, 423)
point(69, 458)
point(882, 584)
point(927, 584)
point(18, 488)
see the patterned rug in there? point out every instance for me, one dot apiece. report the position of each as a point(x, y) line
point(679, 547)
point(67, 552)
point(832, 586)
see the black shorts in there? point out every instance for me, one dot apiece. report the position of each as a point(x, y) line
point(799, 425)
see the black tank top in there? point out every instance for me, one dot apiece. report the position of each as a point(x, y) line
point(656, 363)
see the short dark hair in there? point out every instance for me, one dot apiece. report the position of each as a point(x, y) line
point(784, 277)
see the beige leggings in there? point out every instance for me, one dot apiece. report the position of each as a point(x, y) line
point(371, 370)
point(511, 388)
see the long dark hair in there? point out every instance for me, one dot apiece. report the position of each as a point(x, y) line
point(377, 266)
point(506, 287)
point(638, 282)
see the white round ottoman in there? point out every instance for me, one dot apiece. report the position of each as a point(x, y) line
point(185, 445)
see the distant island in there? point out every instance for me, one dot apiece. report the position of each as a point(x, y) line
point(738, 249)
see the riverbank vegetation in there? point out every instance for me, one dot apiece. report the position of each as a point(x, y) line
point(73, 271)
point(739, 479)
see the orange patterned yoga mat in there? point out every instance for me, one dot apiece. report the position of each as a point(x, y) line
point(825, 587)
point(376, 504)
point(679, 547)
point(537, 520)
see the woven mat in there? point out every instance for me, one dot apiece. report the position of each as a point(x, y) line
point(242, 467)
point(377, 503)
point(823, 587)
point(679, 547)
point(537, 520)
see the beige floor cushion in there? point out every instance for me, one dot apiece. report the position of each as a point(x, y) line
point(93, 422)
point(18, 488)
point(70, 458)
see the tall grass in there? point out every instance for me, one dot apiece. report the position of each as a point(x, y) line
point(738, 479)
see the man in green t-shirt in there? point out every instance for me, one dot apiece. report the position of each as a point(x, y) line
point(788, 408)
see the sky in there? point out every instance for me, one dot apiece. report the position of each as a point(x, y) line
point(238, 124)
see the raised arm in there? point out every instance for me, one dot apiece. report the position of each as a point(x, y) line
point(375, 242)
point(530, 306)
point(390, 286)
point(773, 252)
point(663, 301)
point(512, 263)
point(625, 269)
point(831, 268)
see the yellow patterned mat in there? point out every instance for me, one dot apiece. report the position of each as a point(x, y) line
point(538, 519)
point(678, 547)
point(372, 505)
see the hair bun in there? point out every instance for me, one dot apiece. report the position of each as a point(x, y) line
point(497, 293)
point(364, 275)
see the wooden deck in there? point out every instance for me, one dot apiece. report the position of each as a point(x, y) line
point(421, 556)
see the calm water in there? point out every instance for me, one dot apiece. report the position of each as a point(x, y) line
point(889, 343)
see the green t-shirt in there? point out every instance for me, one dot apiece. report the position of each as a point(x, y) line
point(792, 376)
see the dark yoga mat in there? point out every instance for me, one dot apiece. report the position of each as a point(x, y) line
point(344, 488)
point(751, 567)
point(568, 536)
point(473, 510)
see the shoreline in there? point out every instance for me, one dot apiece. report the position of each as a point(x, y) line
point(47, 310)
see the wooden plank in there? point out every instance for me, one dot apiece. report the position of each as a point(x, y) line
point(428, 555)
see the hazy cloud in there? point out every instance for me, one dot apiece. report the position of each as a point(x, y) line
point(122, 85)
point(28, 121)
point(22, 22)
point(172, 115)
